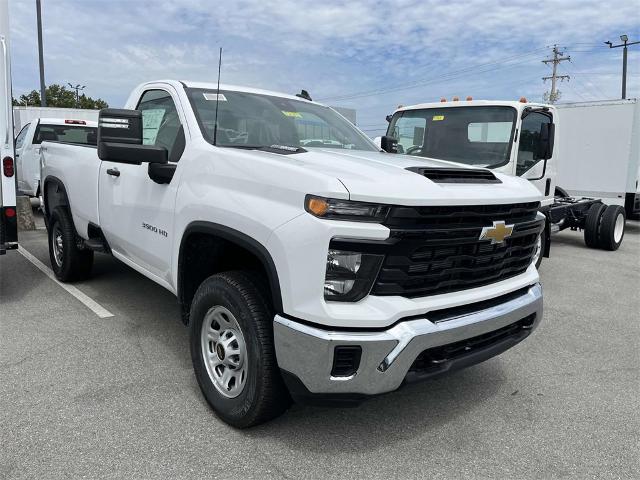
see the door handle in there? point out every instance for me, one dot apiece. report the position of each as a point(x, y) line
point(113, 172)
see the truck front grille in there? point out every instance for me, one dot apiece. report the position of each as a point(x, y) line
point(435, 250)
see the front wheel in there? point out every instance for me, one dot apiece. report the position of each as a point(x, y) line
point(232, 350)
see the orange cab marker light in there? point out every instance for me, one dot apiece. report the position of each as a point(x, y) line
point(443, 99)
point(523, 100)
point(456, 99)
point(469, 98)
point(317, 206)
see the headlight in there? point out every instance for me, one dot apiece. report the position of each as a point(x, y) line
point(335, 209)
point(349, 275)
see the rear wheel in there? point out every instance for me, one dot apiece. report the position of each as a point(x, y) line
point(612, 227)
point(232, 350)
point(592, 224)
point(68, 262)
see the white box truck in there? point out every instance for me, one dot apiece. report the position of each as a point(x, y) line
point(600, 147)
point(8, 214)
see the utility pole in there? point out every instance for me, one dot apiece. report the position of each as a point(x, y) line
point(558, 57)
point(625, 43)
point(77, 88)
point(43, 93)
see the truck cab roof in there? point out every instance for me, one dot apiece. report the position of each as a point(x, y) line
point(472, 103)
point(68, 121)
point(223, 86)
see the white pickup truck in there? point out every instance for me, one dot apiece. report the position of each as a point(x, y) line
point(32, 134)
point(308, 263)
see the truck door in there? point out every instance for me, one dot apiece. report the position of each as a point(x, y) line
point(529, 164)
point(136, 213)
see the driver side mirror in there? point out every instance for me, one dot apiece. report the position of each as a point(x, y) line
point(120, 138)
point(389, 144)
point(547, 135)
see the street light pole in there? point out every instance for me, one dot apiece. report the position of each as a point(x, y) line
point(77, 88)
point(43, 93)
point(625, 44)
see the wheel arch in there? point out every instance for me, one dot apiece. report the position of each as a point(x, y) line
point(54, 195)
point(229, 237)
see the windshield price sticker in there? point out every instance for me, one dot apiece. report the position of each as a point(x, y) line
point(212, 96)
point(292, 114)
point(437, 118)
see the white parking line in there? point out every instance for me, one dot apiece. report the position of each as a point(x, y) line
point(87, 301)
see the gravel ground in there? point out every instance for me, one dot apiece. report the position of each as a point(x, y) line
point(84, 397)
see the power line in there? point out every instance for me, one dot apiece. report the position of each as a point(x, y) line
point(446, 76)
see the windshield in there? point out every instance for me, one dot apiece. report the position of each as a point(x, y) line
point(470, 135)
point(250, 120)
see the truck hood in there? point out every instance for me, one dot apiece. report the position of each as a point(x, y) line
point(383, 178)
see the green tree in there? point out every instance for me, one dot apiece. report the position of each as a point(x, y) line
point(60, 96)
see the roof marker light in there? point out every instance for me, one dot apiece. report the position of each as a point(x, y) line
point(523, 99)
point(469, 98)
point(456, 99)
point(443, 99)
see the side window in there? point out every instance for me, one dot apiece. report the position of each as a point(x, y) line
point(409, 131)
point(21, 136)
point(529, 145)
point(161, 124)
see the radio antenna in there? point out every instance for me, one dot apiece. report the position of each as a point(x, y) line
point(215, 125)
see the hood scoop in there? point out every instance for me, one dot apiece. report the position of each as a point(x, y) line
point(455, 175)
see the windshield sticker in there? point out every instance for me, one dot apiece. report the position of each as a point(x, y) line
point(437, 118)
point(212, 96)
point(292, 114)
point(151, 120)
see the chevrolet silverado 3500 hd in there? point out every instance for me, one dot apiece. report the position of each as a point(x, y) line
point(308, 263)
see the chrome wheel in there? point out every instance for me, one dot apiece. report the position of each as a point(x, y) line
point(619, 228)
point(58, 246)
point(224, 351)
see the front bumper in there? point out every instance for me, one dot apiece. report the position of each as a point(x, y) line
point(305, 353)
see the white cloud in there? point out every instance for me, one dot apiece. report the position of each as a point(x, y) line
point(331, 48)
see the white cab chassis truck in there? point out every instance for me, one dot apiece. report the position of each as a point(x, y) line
point(308, 264)
point(516, 138)
point(8, 214)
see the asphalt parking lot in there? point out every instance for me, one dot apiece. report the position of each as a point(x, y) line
point(89, 397)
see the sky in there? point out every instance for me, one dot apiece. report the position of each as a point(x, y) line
point(363, 54)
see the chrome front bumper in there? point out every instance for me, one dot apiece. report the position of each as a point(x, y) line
point(306, 352)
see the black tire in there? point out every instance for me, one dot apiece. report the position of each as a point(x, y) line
point(71, 263)
point(592, 224)
point(607, 237)
point(543, 246)
point(264, 395)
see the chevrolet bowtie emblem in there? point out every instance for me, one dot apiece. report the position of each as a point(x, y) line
point(496, 233)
